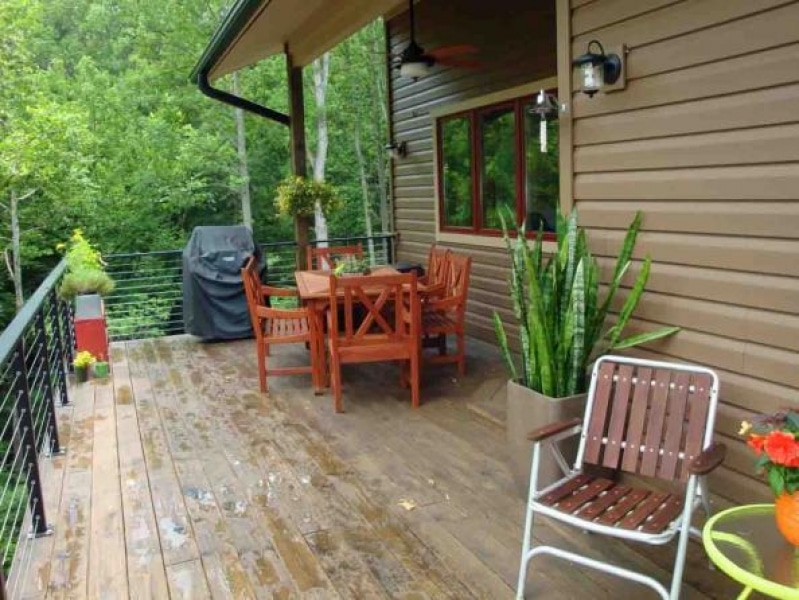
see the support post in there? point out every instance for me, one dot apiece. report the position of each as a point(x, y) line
point(298, 151)
point(28, 442)
point(49, 395)
point(2, 584)
point(60, 339)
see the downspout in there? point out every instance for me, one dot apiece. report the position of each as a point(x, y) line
point(239, 102)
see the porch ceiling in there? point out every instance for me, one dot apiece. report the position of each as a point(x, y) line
point(256, 29)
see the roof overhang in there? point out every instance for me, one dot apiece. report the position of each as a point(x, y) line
point(256, 29)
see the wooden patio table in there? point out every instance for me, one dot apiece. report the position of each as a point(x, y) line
point(313, 288)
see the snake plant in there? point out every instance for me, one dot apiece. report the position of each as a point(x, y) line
point(563, 324)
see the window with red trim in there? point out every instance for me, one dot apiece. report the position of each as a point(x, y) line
point(491, 161)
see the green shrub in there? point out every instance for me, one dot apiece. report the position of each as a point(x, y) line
point(85, 269)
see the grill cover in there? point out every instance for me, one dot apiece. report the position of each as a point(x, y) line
point(214, 303)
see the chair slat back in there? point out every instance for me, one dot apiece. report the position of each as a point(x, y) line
point(327, 258)
point(647, 417)
point(438, 265)
point(252, 285)
point(458, 274)
point(386, 305)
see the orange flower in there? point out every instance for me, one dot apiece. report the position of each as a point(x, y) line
point(782, 448)
point(756, 442)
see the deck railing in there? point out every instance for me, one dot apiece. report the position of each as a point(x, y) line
point(148, 298)
point(35, 350)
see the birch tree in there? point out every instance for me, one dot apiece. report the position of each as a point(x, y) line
point(321, 75)
point(241, 148)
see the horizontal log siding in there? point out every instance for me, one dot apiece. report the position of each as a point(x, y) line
point(517, 46)
point(705, 141)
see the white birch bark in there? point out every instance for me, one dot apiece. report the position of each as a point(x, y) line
point(244, 171)
point(321, 71)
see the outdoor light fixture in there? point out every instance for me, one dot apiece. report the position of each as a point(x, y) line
point(414, 69)
point(546, 106)
point(597, 68)
point(398, 149)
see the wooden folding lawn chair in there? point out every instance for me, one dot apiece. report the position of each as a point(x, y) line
point(648, 418)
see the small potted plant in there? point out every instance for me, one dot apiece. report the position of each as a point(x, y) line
point(82, 362)
point(774, 441)
point(351, 265)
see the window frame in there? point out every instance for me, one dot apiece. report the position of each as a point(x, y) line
point(518, 98)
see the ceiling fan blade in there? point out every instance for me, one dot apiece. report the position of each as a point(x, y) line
point(459, 62)
point(452, 51)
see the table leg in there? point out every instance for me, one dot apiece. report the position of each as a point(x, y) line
point(320, 378)
point(744, 593)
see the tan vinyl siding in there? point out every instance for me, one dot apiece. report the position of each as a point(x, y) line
point(517, 46)
point(705, 141)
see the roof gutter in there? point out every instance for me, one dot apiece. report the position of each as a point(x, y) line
point(236, 19)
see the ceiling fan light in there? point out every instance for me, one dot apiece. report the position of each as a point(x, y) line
point(414, 69)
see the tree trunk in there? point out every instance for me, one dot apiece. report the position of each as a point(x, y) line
point(367, 211)
point(321, 71)
point(241, 147)
point(14, 265)
point(379, 105)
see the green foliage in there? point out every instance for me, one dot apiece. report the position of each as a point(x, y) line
point(85, 270)
point(562, 324)
point(349, 264)
point(84, 359)
point(297, 197)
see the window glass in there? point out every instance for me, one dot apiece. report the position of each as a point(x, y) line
point(456, 175)
point(541, 183)
point(498, 165)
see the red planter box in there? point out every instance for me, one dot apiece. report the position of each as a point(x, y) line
point(90, 329)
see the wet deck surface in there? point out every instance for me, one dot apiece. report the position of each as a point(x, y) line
point(182, 481)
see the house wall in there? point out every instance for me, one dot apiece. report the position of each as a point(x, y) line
point(705, 141)
point(513, 52)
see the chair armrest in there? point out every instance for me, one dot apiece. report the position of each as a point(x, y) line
point(268, 290)
point(547, 431)
point(433, 290)
point(709, 459)
point(443, 304)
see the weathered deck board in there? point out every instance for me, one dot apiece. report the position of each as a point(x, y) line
point(188, 483)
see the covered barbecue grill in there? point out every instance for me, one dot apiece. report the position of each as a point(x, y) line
point(214, 304)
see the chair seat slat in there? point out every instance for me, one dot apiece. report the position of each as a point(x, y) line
point(584, 495)
point(621, 508)
point(564, 490)
point(642, 510)
point(668, 511)
point(603, 502)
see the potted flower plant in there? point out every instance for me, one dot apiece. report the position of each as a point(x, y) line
point(563, 326)
point(83, 360)
point(774, 440)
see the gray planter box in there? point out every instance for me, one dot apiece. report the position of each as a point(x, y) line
point(528, 410)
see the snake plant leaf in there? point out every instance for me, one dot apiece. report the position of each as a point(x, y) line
point(499, 328)
point(630, 303)
point(578, 341)
point(643, 338)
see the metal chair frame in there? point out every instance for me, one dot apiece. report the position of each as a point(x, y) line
point(696, 494)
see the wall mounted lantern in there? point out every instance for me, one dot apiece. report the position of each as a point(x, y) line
point(397, 149)
point(597, 68)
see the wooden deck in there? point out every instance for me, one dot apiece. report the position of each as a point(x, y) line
point(182, 481)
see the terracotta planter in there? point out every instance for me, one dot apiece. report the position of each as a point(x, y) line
point(528, 410)
point(786, 512)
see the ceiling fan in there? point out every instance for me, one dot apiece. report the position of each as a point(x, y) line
point(415, 62)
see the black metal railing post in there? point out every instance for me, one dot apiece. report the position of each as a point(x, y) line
point(59, 337)
point(69, 348)
point(28, 442)
point(49, 396)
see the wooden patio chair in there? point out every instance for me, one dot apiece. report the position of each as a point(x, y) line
point(327, 258)
point(385, 329)
point(438, 265)
point(275, 325)
point(445, 314)
point(652, 419)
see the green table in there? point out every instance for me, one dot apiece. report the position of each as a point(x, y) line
point(744, 543)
